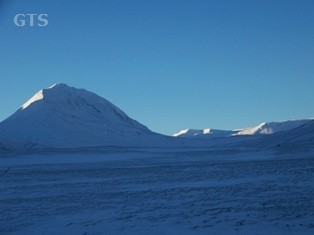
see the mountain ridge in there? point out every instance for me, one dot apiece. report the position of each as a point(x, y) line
point(265, 128)
point(61, 116)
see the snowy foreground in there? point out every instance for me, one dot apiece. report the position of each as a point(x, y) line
point(150, 191)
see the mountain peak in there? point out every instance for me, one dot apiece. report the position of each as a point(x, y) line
point(209, 132)
point(58, 86)
point(40, 95)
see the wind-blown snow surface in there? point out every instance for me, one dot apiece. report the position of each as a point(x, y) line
point(157, 191)
point(63, 117)
point(265, 128)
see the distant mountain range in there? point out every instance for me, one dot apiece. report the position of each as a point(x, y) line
point(265, 128)
point(65, 117)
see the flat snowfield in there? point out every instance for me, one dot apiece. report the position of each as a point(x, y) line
point(157, 192)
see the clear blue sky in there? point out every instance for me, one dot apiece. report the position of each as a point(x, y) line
point(170, 64)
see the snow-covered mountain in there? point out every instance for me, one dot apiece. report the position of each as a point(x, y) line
point(265, 128)
point(193, 133)
point(3, 146)
point(299, 137)
point(63, 116)
point(8, 145)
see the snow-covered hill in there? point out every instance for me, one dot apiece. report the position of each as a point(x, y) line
point(63, 116)
point(265, 128)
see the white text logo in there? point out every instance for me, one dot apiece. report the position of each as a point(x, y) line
point(31, 20)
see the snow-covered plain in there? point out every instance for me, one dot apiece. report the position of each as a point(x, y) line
point(157, 191)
